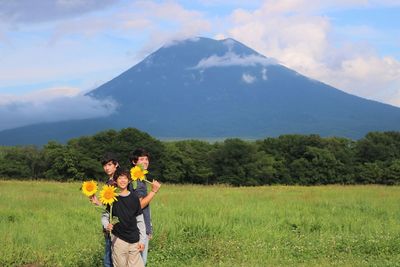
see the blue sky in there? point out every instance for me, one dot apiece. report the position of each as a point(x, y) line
point(53, 51)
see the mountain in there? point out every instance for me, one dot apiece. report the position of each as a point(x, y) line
point(203, 88)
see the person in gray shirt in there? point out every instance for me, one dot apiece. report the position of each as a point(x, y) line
point(142, 157)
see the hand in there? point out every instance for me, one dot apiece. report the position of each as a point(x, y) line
point(94, 200)
point(141, 247)
point(109, 227)
point(155, 186)
point(149, 237)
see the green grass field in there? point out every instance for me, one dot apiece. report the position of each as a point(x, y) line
point(53, 224)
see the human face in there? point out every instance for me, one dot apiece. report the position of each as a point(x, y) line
point(144, 161)
point(122, 182)
point(110, 168)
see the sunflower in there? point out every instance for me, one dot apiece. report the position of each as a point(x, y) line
point(108, 194)
point(138, 172)
point(89, 188)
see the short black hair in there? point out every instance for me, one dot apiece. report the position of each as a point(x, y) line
point(107, 157)
point(119, 172)
point(139, 152)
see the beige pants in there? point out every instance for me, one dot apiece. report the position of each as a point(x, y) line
point(125, 254)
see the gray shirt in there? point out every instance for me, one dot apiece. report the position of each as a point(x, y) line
point(141, 192)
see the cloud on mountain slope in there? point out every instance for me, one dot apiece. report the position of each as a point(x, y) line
point(55, 104)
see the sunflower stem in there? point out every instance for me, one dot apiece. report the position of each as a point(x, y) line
point(110, 216)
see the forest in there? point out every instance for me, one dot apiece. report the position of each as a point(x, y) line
point(288, 159)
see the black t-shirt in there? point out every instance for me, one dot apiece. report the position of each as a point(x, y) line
point(126, 208)
point(141, 192)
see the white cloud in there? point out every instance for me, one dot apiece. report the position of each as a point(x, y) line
point(79, 48)
point(54, 104)
point(232, 59)
point(264, 74)
point(248, 78)
point(369, 76)
point(40, 96)
point(180, 40)
point(171, 21)
point(293, 32)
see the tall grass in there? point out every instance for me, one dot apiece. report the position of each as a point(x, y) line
point(277, 226)
point(48, 224)
point(53, 224)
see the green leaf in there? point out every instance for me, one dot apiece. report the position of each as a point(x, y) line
point(114, 220)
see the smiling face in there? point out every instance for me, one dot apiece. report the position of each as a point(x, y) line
point(122, 181)
point(144, 161)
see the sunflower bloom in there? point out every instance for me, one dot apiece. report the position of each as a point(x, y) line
point(138, 173)
point(89, 188)
point(108, 195)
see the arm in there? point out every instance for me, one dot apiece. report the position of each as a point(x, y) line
point(142, 228)
point(105, 219)
point(145, 201)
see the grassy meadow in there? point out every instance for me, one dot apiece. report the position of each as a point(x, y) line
point(53, 224)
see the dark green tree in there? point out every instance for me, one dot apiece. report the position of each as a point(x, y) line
point(196, 160)
point(173, 164)
point(381, 146)
point(369, 173)
point(238, 162)
point(89, 150)
point(14, 164)
point(392, 173)
point(62, 163)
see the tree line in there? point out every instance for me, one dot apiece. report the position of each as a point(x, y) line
point(287, 159)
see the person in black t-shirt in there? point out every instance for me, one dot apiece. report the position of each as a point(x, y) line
point(128, 235)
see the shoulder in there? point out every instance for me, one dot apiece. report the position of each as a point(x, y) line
point(141, 189)
point(130, 187)
point(133, 197)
